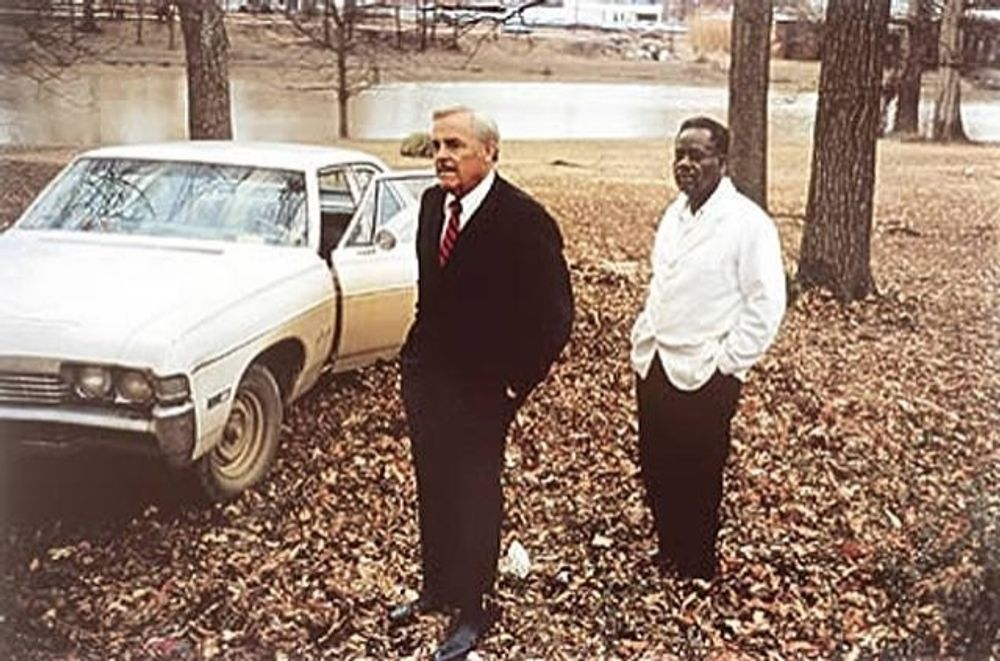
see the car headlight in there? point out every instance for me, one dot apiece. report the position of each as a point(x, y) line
point(93, 382)
point(133, 386)
point(172, 389)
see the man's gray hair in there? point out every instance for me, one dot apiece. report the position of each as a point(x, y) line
point(483, 125)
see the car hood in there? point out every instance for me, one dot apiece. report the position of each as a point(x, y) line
point(125, 299)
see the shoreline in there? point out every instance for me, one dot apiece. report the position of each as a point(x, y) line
point(272, 48)
point(271, 53)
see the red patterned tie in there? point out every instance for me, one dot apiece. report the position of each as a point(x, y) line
point(450, 234)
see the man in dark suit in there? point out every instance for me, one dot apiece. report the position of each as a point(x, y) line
point(494, 309)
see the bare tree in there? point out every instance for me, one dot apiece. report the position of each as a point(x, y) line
point(836, 244)
point(914, 49)
point(748, 81)
point(397, 21)
point(947, 126)
point(41, 44)
point(37, 42)
point(206, 54)
point(140, 19)
point(341, 31)
point(88, 24)
point(493, 23)
point(342, 45)
point(355, 52)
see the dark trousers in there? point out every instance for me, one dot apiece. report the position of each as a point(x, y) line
point(683, 446)
point(458, 429)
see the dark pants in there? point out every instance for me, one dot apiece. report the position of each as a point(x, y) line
point(458, 428)
point(683, 446)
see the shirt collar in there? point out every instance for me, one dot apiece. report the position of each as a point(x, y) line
point(472, 200)
point(722, 192)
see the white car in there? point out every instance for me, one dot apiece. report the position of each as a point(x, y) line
point(177, 297)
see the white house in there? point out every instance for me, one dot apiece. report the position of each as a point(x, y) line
point(597, 13)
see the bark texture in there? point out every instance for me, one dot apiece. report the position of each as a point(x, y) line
point(748, 81)
point(206, 54)
point(947, 125)
point(836, 243)
point(914, 48)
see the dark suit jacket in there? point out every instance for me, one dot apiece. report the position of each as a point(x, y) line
point(500, 310)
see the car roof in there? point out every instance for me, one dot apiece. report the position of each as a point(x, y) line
point(283, 155)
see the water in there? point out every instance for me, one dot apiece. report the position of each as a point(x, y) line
point(148, 104)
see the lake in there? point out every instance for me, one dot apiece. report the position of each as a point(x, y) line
point(148, 104)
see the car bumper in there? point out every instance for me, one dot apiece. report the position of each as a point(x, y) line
point(170, 431)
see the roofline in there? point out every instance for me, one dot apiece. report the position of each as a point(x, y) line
point(286, 155)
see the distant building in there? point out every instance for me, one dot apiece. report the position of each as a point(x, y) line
point(981, 38)
point(796, 37)
point(596, 13)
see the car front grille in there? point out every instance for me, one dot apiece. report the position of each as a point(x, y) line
point(32, 388)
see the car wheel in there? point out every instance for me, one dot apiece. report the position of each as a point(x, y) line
point(249, 441)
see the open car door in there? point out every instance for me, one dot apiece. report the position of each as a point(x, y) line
point(375, 269)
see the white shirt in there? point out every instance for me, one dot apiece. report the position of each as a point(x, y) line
point(717, 293)
point(471, 202)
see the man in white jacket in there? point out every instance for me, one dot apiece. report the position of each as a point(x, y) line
point(715, 302)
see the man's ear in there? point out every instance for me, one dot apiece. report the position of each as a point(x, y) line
point(493, 152)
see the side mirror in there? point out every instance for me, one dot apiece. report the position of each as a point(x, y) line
point(385, 239)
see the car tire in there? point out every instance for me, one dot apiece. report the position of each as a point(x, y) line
point(250, 438)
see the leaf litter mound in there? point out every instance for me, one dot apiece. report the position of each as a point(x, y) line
point(861, 503)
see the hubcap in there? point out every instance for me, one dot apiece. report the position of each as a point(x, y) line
point(242, 437)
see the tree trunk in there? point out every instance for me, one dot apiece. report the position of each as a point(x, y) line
point(947, 111)
point(88, 24)
point(399, 28)
point(748, 81)
point(349, 18)
point(328, 9)
point(423, 25)
point(343, 89)
point(138, 25)
point(206, 52)
point(836, 243)
point(908, 104)
point(338, 39)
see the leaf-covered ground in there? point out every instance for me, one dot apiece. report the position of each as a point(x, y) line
point(861, 504)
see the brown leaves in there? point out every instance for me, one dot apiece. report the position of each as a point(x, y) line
point(861, 505)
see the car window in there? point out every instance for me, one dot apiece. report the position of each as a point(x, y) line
point(380, 203)
point(391, 203)
point(335, 190)
point(178, 199)
point(363, 175)
point(336, 205)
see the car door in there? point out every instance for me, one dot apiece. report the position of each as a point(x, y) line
point(338, 201)
point(375, 268)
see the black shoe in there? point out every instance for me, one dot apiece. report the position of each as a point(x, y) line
point(466, 632)
point(700, 569)
point(665, 565)
point(409, 611)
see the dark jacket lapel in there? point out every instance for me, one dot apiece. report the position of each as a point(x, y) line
point(434, 217)
point(480, 222)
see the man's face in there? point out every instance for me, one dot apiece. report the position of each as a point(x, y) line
point(697, 166)
point(461, 159)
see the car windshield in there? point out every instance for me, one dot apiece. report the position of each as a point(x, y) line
point(176, 199)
